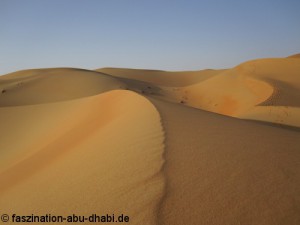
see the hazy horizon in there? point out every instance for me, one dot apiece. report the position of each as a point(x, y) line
point(168, 35)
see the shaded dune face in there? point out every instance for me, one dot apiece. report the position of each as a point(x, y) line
point(221, 170)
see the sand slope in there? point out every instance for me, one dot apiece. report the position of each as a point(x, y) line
point(250, 91)
point(93, 155)
point(221, 170)
point(264, 89)
point(51, 85)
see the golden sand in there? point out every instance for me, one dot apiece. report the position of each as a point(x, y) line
point(192, 147)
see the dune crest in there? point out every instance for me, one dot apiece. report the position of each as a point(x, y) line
point(53, 85)
point(246, 88)
point(236, 92)
point(162, 78)
point(225, 171)
point(102, 152)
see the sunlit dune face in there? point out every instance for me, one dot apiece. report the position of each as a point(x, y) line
point(228, 106)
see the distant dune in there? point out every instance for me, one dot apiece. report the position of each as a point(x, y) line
point(294, 56)
point(39, 86)
point(191, 147)
point(162, 78)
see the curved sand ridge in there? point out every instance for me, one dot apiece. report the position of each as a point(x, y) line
point(39, 86)
point(220, 170)
point(264, 89)
point(162, 78)
point(229, 93)
point(283, 105)
point(100, 154)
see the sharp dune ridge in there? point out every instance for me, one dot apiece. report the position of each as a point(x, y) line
point(188, 147)
point(87, 161)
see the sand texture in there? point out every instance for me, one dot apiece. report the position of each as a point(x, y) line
point(169, 148)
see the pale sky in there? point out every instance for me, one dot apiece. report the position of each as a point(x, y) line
point(153, 34)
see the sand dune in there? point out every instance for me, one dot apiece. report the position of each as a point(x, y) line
point(93, 155)
point(249, 90)
point(294, 56)
point(152, 144)
point(162, 78)
point(51, 85)
point(224, 171)
point(264, 89)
